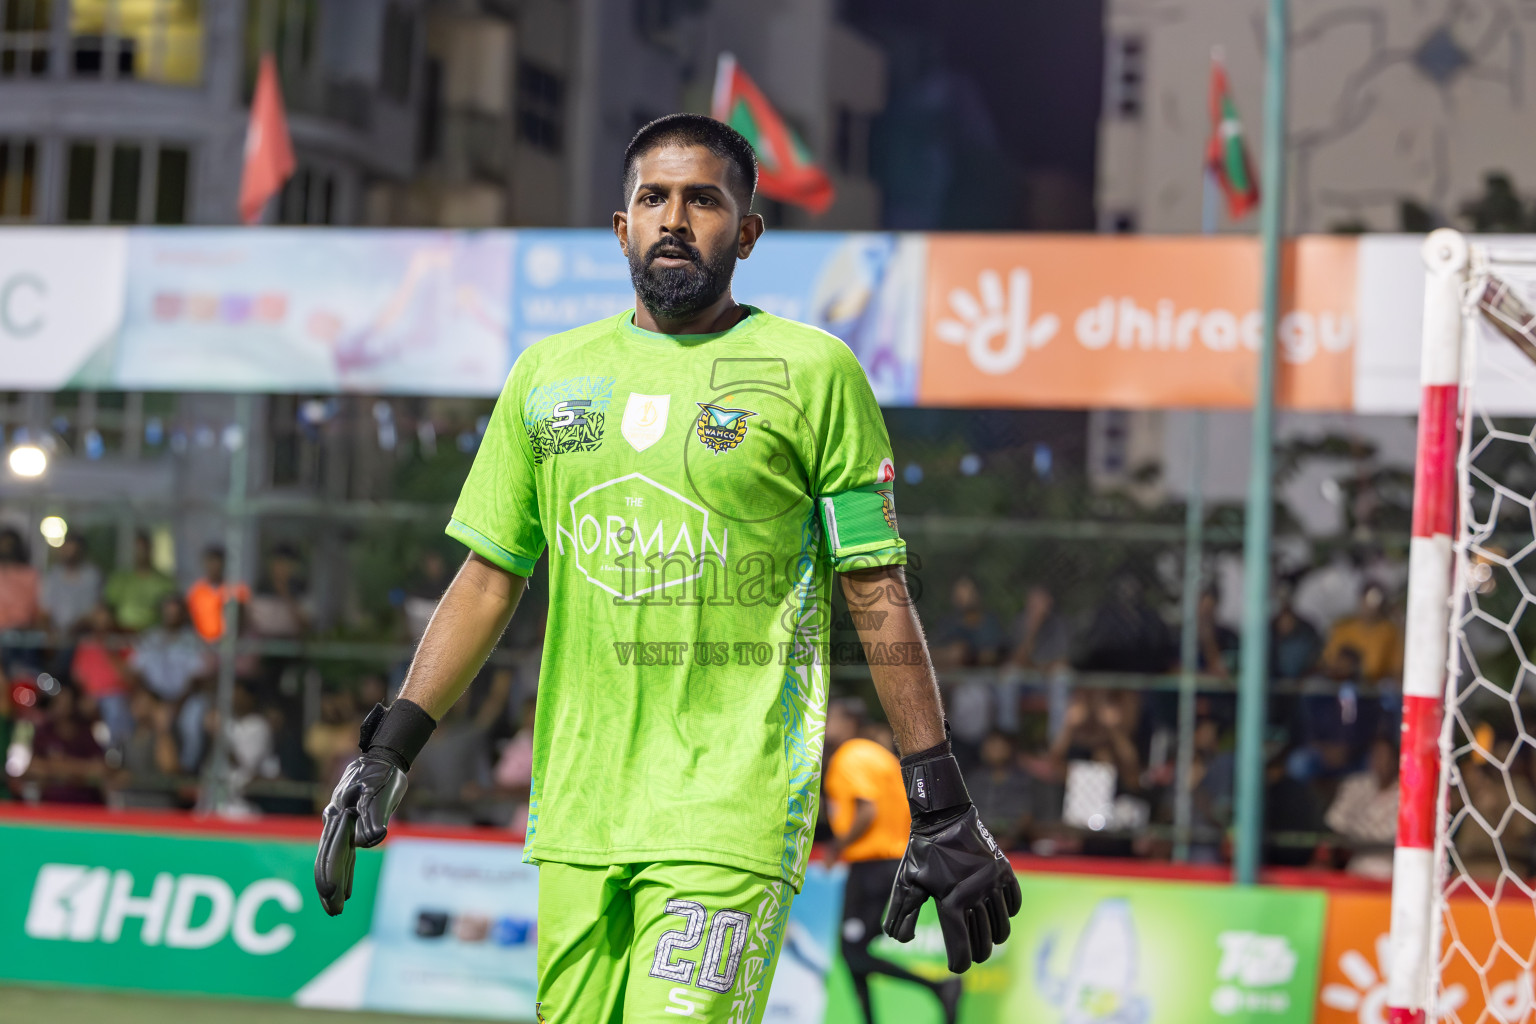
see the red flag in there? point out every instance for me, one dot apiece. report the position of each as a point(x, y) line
point(268, 150)
point(786, 171)
point(1227, 155)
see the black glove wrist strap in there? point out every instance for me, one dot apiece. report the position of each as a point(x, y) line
point(935, 787)
point(397, 733)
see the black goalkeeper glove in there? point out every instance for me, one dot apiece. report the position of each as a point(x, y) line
point(953, 858)
point(369, 792)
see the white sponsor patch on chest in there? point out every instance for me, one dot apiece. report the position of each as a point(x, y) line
point(645, 419)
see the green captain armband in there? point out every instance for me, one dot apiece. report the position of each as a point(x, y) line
point(860, 527)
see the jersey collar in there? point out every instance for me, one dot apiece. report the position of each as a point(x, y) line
point(746, 326)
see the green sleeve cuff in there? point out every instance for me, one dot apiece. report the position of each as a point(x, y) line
point(869, 556)
point(489, 550)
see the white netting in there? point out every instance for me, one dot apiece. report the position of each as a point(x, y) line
point(1488, 892)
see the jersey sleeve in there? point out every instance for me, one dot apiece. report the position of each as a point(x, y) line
point(497, 515)
point(855, 478)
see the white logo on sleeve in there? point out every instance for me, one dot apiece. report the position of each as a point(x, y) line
point(645, 419)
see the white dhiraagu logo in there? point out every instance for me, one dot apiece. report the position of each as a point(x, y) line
point(632, 536)
point(996, 329)
point(1252, 969)
point(645, 419)
point(81, 904)
point(1366, 994)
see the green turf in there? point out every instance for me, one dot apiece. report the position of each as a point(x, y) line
point(83, 1006)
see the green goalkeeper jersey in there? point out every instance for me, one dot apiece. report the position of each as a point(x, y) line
point(695, 493)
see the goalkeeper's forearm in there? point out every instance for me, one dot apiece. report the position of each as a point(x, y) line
point(898, 655)
point(468, 622)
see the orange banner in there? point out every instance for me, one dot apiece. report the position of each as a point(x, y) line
point(1352, 988)
point(1132, 322)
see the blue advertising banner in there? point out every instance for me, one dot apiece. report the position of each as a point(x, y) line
point(866, 288)
point(417, 312)
point(454, 930)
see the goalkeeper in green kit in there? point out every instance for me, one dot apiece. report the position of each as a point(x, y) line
point(697, 470)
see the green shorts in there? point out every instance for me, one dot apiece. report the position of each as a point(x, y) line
point(637, 943)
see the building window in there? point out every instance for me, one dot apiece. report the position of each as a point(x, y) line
point(396, 53)
point(540, 98)
point(150, 40)
point(1127, 76)
point(309, 197)
point(18, 175)
point(114, 181)
point(285, 29)
point(24, 37)
point(851, 148)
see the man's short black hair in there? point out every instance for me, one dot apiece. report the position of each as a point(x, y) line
point(696, 130)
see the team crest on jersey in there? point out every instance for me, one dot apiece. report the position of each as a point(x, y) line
point(720, 429)
point(567, 416)
point(888, 508)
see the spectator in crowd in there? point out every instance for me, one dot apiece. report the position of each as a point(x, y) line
point(1002, 792)
point(514, 768)
point(135, 593)
point(248, 736)
point(172, 661)
point(420, 597)
point(1212, 777)
point(1294, 644)
point(1126, 633)
point(100, 668)
point(971, 635)
point(207, 597)
point(1365, 811)
point(1375, 638)
point(18, 583)
point(66, 758)
point(1328, 726)
point(331, 741)
point(1042, 642)
point(1099, 729)
point(1488, 788)
point(71, 589)
point(150, 760)
point(1291, 805)
point(452, 775)
point(280, 608)
point(1218, 644)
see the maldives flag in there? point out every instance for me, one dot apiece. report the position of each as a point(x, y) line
point(268, 150)
point(785, 169)
point(1227, 156)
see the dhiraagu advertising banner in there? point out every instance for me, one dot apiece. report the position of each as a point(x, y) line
point(867, 288)
point(183, 913)
point(1105, 950)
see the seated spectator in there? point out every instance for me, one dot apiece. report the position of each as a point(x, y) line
point(971, 635)
point(135, 593)
point(452, 774)
point(1042, 642)
point(1126, 633)
point(1329, 727)
point(1294, 643)
point(207, 597)
point(150, 760)
point(331, 741)
point(248, 737)
point(18, 583)
point(100, 668)
point(1096, 757)
point(71, 589)
point(1218, 649)
point(1002, 792)
point(1493, 827)
point(280, 607)
point(171, 661)
point(1376, 640)
point(1365, 811)
point(66, 758)
point(419, 599)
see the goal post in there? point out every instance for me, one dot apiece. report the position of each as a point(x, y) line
point(1463, 903)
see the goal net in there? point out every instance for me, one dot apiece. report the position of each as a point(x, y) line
point(1463, 945)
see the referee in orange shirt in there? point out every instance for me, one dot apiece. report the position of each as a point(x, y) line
point(867, 808)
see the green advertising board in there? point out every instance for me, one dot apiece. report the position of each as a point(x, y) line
point(1106, 950)
point(180, 912)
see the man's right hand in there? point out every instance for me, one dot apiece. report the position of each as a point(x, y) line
point(357, 817)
